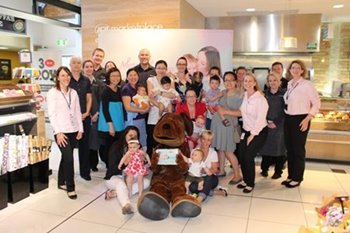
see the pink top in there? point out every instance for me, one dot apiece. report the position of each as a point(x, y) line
point(64, 111)
point(254, 111)
point(302, 98)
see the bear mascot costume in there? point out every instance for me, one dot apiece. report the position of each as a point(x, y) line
point(167, 191)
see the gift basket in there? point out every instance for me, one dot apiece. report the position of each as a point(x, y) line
point(333, 215)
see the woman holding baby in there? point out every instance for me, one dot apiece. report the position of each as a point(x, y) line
point(210, 159)
point(135, 115)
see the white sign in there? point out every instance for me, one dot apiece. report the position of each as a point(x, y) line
point(123, 46)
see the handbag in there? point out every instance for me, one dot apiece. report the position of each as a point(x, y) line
point(237, 133)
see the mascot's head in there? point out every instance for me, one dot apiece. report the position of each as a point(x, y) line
point(172, 129)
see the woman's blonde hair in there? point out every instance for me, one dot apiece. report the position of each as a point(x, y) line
point(257, 87)
point(207, 133)
point(271, 74)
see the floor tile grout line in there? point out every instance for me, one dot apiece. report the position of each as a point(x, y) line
point(248, 217)
point(305, 217)
point(69, 217)
point(340, 183)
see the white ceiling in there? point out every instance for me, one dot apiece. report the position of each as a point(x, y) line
point(216, 8)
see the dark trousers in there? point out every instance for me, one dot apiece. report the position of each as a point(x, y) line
point(295, 141)
point(151, 143)
point(247, 154)
point(109, 140)
point(84, 151)
point(210, 182)
point(208, 123)
point(93, 158)
point(278, 161)
point(66, 168)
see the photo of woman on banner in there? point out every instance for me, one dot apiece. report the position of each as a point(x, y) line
point(207, 57)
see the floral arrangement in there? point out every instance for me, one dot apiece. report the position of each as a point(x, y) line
point(334, 216)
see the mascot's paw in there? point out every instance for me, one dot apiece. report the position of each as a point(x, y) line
point(186, 208)
point(153, 206)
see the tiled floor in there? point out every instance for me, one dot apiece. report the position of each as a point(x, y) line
point(269, 208)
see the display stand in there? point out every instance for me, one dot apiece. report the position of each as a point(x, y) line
point(39, 176)
point(18, 184)
point(3, 191)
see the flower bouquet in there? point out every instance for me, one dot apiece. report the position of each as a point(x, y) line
point(334, 216)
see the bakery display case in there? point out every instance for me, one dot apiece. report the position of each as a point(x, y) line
point(329, 136)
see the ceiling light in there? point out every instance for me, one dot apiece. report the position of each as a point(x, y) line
point(250, 9)
point(2, 47)
point(288, 42)
point(338, 6)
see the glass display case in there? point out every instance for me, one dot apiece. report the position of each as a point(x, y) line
point(329, 136)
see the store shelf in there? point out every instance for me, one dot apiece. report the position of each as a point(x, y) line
point(15, 118)
point(4, 106)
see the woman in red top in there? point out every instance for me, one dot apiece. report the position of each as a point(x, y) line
point(191, 107)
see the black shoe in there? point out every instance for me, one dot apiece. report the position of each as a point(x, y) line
point(241, 186)
point(248, 189)
point(72, 195)
point(94, 169)
point(276, 176)
point(88, 178)
point(264, 173)
point(285, 182)
point(293, 184)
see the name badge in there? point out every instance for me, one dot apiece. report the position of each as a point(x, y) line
point(242, 136)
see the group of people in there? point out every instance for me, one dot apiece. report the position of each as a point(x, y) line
point(232, 118)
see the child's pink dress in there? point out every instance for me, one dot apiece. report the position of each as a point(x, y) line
point(136, 165)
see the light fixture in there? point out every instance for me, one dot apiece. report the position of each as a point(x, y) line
point(250, 9)
point(3, 47)
point(338, 6)
point(289, 42)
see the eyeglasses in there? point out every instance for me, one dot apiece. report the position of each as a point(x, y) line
point(230, 80)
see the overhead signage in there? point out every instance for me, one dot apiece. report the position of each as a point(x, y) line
point(12, 24)
point(311, 45)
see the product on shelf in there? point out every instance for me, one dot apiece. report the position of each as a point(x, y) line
point(39, 149)
point(14, 152)
point(11, 93)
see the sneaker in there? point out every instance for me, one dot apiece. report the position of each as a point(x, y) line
point(264, 173)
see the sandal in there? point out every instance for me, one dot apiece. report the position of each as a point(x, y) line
point(223, 190)
point(109, 194)
point(226, 122)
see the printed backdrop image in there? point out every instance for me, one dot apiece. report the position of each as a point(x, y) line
point(123, 45)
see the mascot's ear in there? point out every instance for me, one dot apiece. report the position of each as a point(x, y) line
point(187, 123)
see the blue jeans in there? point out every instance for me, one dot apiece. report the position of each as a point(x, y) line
point(210, 182)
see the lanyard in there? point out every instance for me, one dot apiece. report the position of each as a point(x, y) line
point(69, 101)
point(291, 90)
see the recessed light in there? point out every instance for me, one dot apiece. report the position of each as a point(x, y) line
point(338, 6)
point(250, 9)
point(2, 47)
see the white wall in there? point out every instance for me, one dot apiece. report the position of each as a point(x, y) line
point(22, 5)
